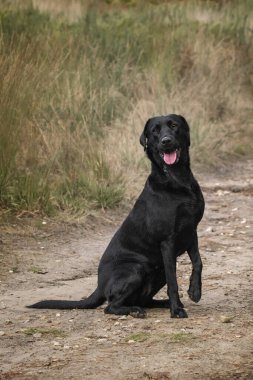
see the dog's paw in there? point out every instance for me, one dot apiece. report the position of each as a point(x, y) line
point(194, 293)
point(179, 313)
point(138, 312)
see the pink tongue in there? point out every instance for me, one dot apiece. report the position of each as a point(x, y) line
point(170, 158)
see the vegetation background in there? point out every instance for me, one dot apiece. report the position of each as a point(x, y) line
point(79, 79)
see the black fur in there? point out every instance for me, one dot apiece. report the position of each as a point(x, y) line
point(141, 257)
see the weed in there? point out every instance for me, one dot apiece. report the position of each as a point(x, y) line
point(178, 337)
point(44, 331)
point(37, 270)
point(138, 337)
point(181, 337)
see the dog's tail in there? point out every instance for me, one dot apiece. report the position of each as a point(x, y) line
point(94, 300)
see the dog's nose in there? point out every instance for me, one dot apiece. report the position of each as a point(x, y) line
point(166, 140)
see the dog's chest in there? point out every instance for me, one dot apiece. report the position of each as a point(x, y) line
point(174, 215)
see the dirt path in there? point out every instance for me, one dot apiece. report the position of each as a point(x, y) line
point(47, 261)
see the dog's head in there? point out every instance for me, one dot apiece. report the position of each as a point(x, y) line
point(166, 139)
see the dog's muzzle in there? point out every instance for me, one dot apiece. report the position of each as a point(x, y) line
point(168, 151)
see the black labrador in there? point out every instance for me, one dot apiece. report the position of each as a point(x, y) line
point(141, 257)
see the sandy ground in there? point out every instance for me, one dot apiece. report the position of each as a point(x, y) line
point(48, 260)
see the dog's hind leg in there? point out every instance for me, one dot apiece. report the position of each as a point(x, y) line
point(122, 294)
point(157, 304)
point(118, 309)
point(155, 281)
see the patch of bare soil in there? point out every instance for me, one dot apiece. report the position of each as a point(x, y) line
point(52, 261)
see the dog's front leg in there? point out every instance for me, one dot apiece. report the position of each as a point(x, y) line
point(194, 291)
point(169, 260)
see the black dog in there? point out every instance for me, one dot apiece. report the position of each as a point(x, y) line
point(141, 257)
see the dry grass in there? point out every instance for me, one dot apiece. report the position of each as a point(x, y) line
point(218, 112)
point(74, 98)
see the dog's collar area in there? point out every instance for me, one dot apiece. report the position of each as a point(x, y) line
point(166, 169)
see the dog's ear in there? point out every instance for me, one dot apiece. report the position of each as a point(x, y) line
point(143, 138)
point(187, 129)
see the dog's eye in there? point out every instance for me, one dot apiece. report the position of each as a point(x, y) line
point(156, 129)
point(173, 125)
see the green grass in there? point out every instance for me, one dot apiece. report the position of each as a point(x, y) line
point(78, 81)
point(51, 331)
point(177, 337)
point(35, 269)
point(138, 337)
point(181, 337)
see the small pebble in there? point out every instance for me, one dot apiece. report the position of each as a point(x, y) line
point(226, 318)
point(37, 335)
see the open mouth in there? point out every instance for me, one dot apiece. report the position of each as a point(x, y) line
point(171, 158)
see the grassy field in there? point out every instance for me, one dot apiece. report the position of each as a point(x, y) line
point(79, 79)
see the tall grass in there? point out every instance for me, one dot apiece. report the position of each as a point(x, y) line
point(78, 83)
